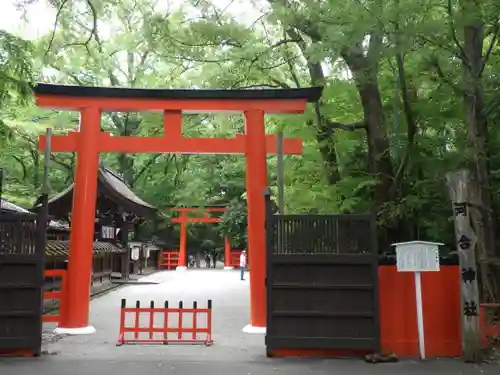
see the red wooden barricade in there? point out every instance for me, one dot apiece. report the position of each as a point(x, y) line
point(487, 327)
point(168, 260)
point(55, 295)
point(235, 258)
point(181, 329)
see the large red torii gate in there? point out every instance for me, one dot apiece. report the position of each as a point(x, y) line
point(89, 141)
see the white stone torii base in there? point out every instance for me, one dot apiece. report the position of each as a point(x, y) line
point(253, 329)
point(75, 331)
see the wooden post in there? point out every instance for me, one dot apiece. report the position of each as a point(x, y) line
point(281, 174)
point(124, 229)
point(466, 242)
point(1, 184)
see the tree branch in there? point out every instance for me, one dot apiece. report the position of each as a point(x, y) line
point(496, 30)
point(410, 123)
point(331, 125)
point(54, 158)
point(435, 64)
point(222, 43)
point(167, 163)
point(179, 169)
point(23, 166)
point(140, 67)
point(462, 54)
point(291, 68)
point(112, 78)
point(93, 31)
point(53, 35)
point(435, 43)
point(143, 169)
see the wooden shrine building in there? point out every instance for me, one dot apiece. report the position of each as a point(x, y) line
point(118, 212)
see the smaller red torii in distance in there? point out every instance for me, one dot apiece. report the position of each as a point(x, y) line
point(183, 219)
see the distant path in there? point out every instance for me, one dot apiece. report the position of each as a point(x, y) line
point(234, 352)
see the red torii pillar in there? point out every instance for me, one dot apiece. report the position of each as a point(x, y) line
point(183, 241)
point(89, 141)
point(184, 219)
point(227, 254)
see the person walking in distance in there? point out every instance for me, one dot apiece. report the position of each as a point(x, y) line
point(243, 264)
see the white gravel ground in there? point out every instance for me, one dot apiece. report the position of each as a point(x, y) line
point(230, 299)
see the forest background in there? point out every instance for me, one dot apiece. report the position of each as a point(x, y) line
point(411, 93)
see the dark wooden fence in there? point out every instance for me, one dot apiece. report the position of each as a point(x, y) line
point(22, 242)
point(322, 282)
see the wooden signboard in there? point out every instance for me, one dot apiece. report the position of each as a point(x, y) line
point(466, 243)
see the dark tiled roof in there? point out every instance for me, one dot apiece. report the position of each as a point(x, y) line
point(55, 248)
point(114, 188)
point(311, 94)
point(121, 187)
point(68, 190)
point(7, 206)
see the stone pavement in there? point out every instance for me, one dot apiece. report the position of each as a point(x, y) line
point(234, 352)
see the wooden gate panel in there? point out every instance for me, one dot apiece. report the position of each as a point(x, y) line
point(321, 332)
point(321, 270)
point(322, 282)
point(337, 301)
point(21, 281)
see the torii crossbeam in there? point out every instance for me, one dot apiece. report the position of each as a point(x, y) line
point(90, 141)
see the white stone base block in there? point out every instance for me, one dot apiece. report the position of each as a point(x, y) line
point(228, 267)
point(253, 329)
point(181, 268)
point(74, 331)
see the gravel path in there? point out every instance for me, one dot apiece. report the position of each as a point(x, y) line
point(230, 298)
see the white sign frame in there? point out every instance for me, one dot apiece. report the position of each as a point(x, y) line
point(425, 260)
point(417, 256)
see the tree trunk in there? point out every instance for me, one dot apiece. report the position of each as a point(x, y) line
point(365, 77)
point(324, 135)
point(482, 214)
